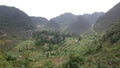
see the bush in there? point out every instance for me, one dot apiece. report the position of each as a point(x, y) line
point(42, 37)
point(75, 61)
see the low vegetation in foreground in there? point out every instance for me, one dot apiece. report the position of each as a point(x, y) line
point(61, 50)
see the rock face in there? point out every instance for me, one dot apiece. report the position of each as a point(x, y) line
point(13, 20)
point(106, 21)
point(79, 26)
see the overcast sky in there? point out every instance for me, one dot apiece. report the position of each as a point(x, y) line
point(52, 8)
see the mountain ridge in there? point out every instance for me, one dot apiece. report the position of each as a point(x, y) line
point(13, 20)
point(106, 21)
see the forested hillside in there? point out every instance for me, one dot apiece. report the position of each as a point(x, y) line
point(14, 20)
point(64, 20)
point(108, 20)
point(79, 26)
point(40, 22)
point(66, 41)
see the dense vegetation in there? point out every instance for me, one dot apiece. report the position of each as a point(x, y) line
point(42, 37)
point(58, 50)
point(52, 48)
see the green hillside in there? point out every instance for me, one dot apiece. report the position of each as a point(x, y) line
point(64, 20)
point(79, 46)
point(44, 51)
point(110, 18)
point(13, 20)
point(79, 26)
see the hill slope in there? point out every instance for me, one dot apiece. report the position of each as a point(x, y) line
point(64, 20)
point(79, 26)
point(52, 26)
point(13, 20)
point(92, 18)
point(39, 21)
point(108, 20)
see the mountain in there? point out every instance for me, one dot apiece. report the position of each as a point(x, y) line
point(106, 21)
point(92, 18)
point(39, 22)
point(113, 35)
point(13, 20)
point(79, 26)
point(43, 24)
point(52, 26)
point(64, 20)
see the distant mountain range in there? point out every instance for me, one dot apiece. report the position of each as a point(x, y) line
point(67, 21)
point(109, 19)
point(14, 20)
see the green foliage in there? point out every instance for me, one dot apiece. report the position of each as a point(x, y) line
point(10, 58)
point(114, 34)
point(59, 50)
point(43, 37)
point(3, 62)
point(49, 65)
point(2, 44)
point(75, 61)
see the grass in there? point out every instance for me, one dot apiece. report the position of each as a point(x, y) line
point(85, 49)
point(37, 54)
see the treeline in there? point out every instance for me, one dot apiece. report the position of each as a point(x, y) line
point(51, 37)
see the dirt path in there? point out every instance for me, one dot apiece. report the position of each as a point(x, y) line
point(93, 29)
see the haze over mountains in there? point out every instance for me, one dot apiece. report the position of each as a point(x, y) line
point(67, 21)
point(16, 19)
point(66, 41)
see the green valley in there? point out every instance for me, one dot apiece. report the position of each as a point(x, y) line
point(65, 41)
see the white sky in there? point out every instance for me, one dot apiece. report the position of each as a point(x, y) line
point(52, 8)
